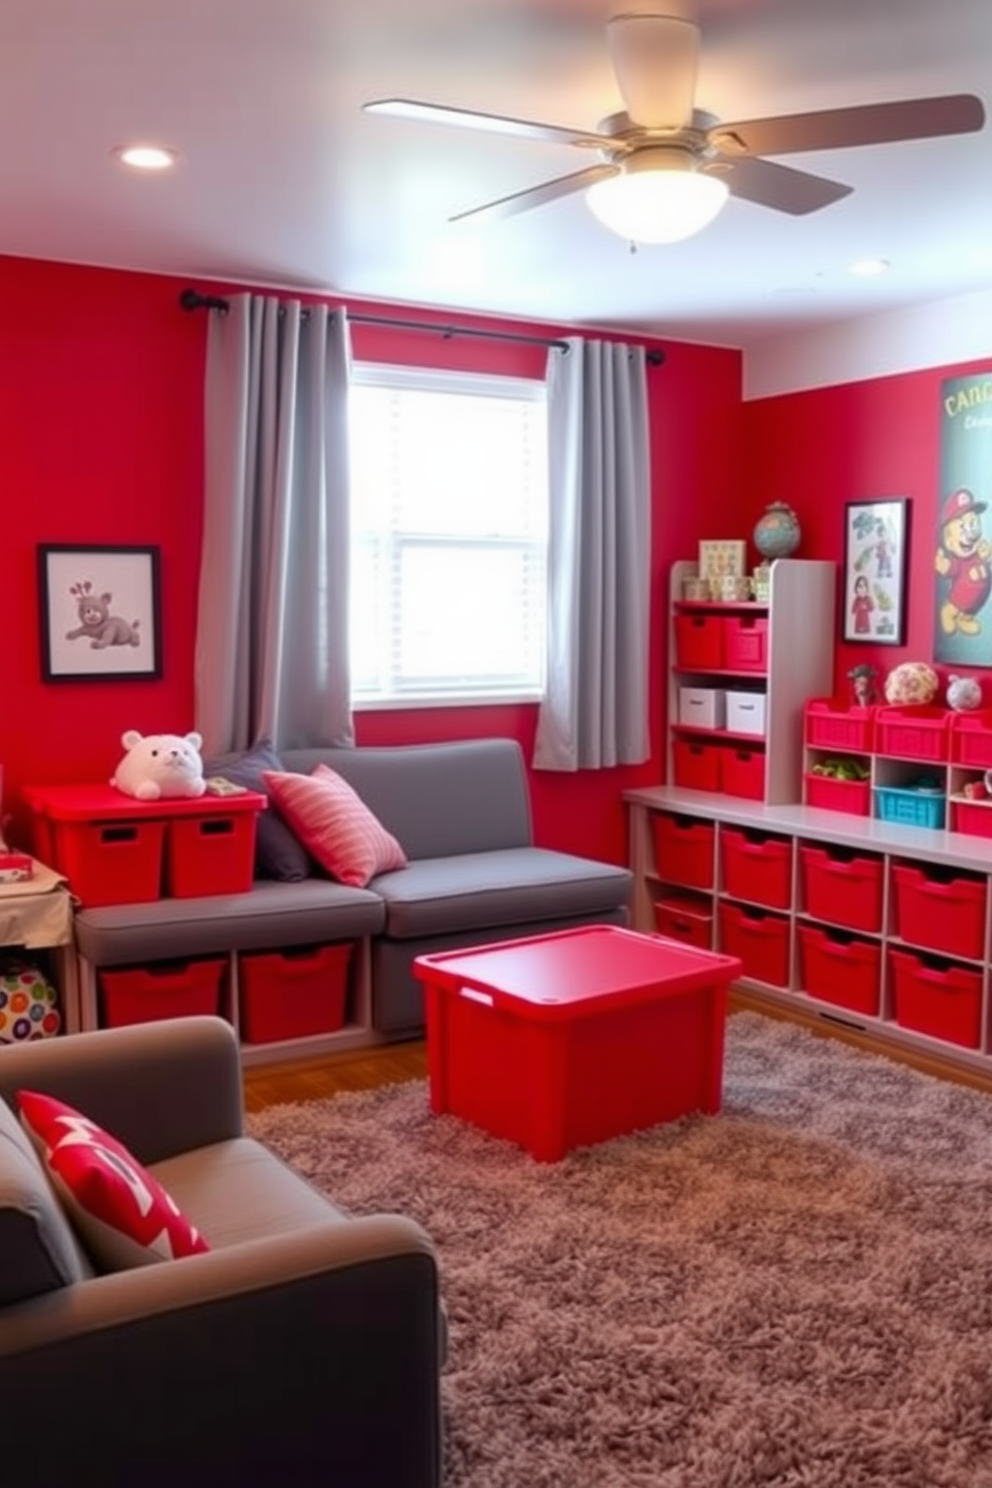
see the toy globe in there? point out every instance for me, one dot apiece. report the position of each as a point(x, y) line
point(28, 1004)
point(777, 532)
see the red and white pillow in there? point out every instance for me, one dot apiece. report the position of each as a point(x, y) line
point(335, 825)
point(121, 1211)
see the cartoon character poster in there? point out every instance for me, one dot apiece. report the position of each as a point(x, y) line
point(963, 548)
point(875, 572)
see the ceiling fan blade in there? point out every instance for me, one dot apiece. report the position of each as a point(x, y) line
point(436, 113)
point(779, 186)
point(655, 58)
point(539, 196)
point(837, 129)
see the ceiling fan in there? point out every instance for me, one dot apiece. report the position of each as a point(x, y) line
point(662, 147)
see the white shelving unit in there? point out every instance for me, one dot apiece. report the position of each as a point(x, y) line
point(961, 862)
point(799, 665)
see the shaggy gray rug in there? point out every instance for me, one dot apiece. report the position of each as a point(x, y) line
point(796, 1293)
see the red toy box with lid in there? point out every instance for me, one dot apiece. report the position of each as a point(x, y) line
point(114, 849)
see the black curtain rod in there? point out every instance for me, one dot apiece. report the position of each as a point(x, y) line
point(191, 299)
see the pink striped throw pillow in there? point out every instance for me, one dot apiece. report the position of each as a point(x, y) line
point(335, 825)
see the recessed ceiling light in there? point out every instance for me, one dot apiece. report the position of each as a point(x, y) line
point(146, 157)
point(866, 267)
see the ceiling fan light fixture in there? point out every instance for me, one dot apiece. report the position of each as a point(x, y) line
point(660, 197)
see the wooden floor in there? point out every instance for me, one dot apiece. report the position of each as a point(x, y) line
point(386, 1064)
point(316, 1079)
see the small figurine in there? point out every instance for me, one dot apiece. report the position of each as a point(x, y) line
point(864, 684)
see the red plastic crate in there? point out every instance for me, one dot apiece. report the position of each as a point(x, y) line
point(293, 994)
point(746, 643)
point(760, 941)
point(742, 773)
point(842, 887)
point(913, 731)
point(971, 738)
point(683, 850)
point(971, 817)
point(841, 969)
point(756, 866)
point(942, 1001)
point(833, 723)
point(213, 853)
point(940, 910)
point(166, 989)
point(699, 641)
point(114, 861)
point(685, 917)
point(564, 1040)
point(853, 797)
point(697, 766)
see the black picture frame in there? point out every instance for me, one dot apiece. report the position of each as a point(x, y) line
point(876, 571)
point(99, 607)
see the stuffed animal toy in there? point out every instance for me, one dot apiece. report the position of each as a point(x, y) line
point(963, 694)
point(160, 765)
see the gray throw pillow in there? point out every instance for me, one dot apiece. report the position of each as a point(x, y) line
point(278, 853)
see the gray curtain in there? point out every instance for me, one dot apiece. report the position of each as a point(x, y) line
point(595, 709)
point(272, 629)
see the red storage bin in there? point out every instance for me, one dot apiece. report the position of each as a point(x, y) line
point(971, 738)
point(699, 642)
point(697, 766)
point(937, 999)
point(166, 989)
point(760, 941)
point(683, 850)
point(971, 817)
point(913, 731)
point(685, 917)
point(213, 853)
point(840, 969)
point(842, 887)
point(293, 994)
point(746, 643)
point(107, 845)
point(853, 797)
point(833, 723)
point(756, 866)
point(742, 773)
point(563, 1040)
point(940, 909)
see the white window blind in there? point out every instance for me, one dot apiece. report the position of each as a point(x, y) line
point(449, 507)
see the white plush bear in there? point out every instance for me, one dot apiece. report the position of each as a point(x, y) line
point(161, 765)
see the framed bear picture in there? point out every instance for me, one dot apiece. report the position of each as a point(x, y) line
point(100, 612)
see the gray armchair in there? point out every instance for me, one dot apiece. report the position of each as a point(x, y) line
point(304, 1348)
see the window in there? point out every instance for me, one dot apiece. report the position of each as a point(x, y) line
point(449, 505)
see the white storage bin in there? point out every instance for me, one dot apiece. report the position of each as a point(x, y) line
point(746, 712)
point(703, 707)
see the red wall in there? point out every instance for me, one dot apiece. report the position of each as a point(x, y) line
point(101, 442)
point(859, 441)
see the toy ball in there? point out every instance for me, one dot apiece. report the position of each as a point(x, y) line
point(159, 766)
point(28, 1004)
point(911, 682)
point(963, 694)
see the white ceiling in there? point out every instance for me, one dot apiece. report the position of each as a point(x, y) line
point(284, 181)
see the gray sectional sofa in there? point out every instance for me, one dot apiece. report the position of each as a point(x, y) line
point(462, 814)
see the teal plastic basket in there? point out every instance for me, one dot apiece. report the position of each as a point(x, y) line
point(912, 808)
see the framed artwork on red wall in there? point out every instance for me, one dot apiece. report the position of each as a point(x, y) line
point(876, 541)
point(100, 612)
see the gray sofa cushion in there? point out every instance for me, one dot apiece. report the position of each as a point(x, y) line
point(236, 1191)
point(437, 799)
point(313, 912)
point(38, 1250)
point(512, 886)
point(278, 853)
